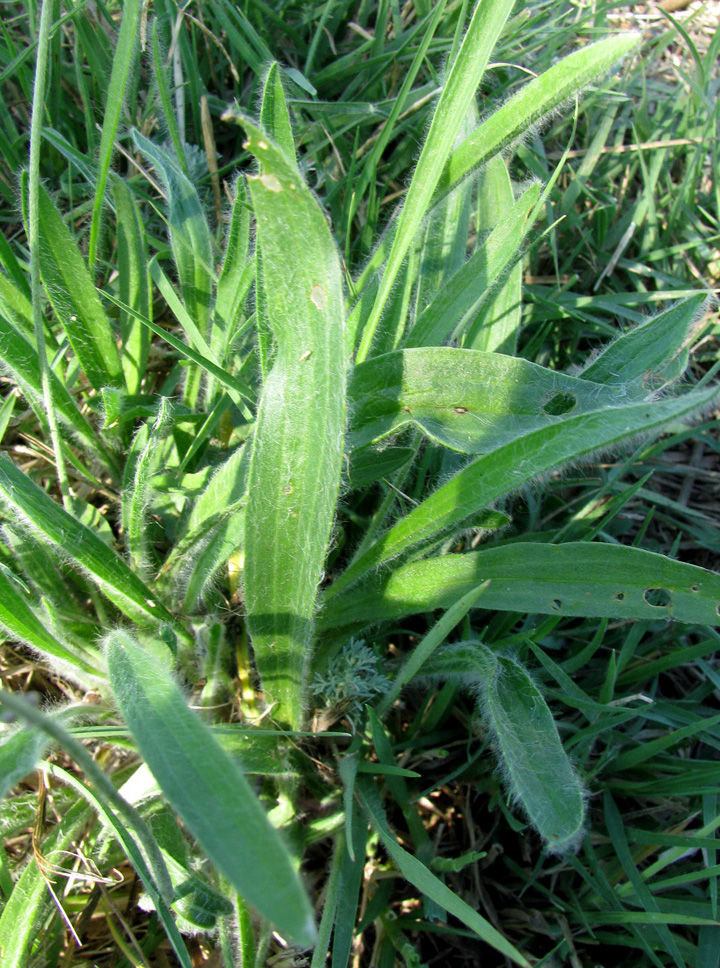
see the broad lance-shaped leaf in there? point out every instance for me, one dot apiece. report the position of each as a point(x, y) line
point(513, 465)
point(469, 400)
point(465, 74)
point(297, 448)
point(30, 506)
point(536, 767)
point(643, 353)
point(204, 785)
point(71, 291)
point(578, 578)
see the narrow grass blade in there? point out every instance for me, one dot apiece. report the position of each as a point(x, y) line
point(18, 355)
point(72, 294)
point(351, 881)
point(32, 508)
point(424, 649)
point(615, 825)
point(516, 463)
point(133, 285)
point(190, 237)
point(577, 578)
point(466, 399)
point(237, 389)
point(122, 64)
point(537, 769)
point(459, 301)
point(298, 444)
point(417, 874)
point(496, 326)
point(455, 101)
point(319, 958)
point(168, 110)
point(205, 787)
point(537, 100)
point(21, 915)
point(126, 837)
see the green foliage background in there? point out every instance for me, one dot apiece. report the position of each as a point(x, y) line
point(358, 485)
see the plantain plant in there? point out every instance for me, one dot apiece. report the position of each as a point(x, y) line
point(301, 459)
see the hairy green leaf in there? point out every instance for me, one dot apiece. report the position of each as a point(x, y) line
point(535, 101)
point(467, 399)
point(205, 786)
point(536, 767)
point(577, 578)
point(513, 465)
point(71, 292)
point(297, 449)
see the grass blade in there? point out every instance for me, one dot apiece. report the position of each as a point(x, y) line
point(420, 877)
point(27, 504)
point(455, 101)
point(122, 63)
